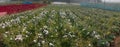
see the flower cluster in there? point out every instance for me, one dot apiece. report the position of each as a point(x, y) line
point(10, 9)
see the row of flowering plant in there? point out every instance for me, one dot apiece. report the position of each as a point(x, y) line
point(15, 8)
point(60, 26)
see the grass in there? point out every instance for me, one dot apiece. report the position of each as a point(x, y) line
point(60, 26)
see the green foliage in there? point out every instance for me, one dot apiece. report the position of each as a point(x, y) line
point(60, 26)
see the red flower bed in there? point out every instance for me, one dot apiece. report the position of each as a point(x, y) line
point(10, 9)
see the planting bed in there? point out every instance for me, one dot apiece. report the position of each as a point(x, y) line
point(11, 9)
point(61, 26)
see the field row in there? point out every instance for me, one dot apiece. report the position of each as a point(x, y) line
point(60, 26)
point(11, 9)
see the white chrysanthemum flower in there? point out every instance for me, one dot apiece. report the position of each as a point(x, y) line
point(46, 31)
point(65, 29)
point(55, 30)
point(7, 23)
point(45, 27)
point(72, 35)
point(28, 21)
point(19, 37)
point(27, 32)
point(52, 15)
point(88, 33)
point(63, 16)
point(69, 20)
point(51, 44)
point(89, 44)
point(3, 26)
point(83, 29)
point(39, 34)
point(56, 34)
point(97, 36)
point(94, 32)
point(51, 36)
point(39, 44)
point(6, 32)
point(11, 38)
point(71, 26)
point(26, 35)
point(43, 42)
point(35, 41)
point(5, 35)
point(11, 20)
point(65, 36)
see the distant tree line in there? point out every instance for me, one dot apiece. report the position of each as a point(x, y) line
point(67, 1)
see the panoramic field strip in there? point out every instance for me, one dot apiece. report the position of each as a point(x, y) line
point(60, 26)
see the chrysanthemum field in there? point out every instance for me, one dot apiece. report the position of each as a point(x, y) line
point(60, 26)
